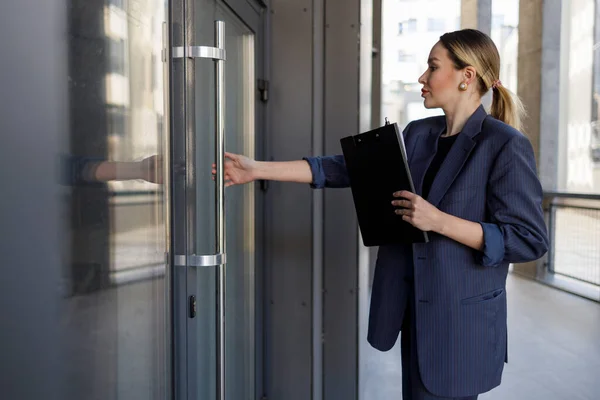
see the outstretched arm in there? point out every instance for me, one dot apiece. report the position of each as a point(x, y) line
point(329, 171)
point(240, 169)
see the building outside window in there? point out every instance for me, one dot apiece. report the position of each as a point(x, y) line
point(407, 26)
point(436, 24)
point(404, 57)
point(409, 31)
point(579, 148)
point(505, 33)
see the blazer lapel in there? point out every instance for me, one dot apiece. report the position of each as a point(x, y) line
point(456, 158)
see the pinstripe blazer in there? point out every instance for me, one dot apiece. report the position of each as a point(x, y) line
point(489, 176)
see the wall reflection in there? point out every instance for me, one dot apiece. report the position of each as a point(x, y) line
point(115, 262)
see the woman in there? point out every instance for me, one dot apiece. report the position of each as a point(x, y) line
point(478, 195)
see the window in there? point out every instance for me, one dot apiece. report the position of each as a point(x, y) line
point(117, 119)
point(505, 34)
point(436, 24)
point(408, 26)
point(117, 3)
point(498, 20)
point(576, 142)
point(116, 50)
point(406, 43)
point(412, 25)
point(579, 152)
point(404, 57)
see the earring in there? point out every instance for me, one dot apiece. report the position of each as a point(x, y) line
point(462, 87)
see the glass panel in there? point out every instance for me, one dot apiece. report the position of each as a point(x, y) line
point(409, 31)
point(239, 206)
point(575, 242)
point(505, 33)
point(576, 238)
point(239, 210)
point(116, 320)
point(202, 281)
point(579, 149)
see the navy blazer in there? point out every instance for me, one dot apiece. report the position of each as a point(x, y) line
point(489, 177)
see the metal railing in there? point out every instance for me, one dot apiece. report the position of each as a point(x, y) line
point(574, 231)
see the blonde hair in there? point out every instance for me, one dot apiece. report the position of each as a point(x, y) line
point(470, 47)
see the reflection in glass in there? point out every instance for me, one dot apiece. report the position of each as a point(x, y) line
point(240, 110)
point(114, 267)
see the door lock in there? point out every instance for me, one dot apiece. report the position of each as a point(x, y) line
point(193, 306)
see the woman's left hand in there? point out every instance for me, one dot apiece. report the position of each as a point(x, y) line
point(418, 211)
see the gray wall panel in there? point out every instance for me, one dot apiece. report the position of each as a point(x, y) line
point(291, 240)
point(340, 247)
point(288, 206)
point(33, 123)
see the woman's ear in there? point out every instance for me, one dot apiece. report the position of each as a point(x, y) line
point(470, 75)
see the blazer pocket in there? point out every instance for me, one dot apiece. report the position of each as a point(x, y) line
point(484, 297)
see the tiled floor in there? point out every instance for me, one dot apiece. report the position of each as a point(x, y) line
point(554, 350)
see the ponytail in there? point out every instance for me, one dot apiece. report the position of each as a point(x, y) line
point(507, 107)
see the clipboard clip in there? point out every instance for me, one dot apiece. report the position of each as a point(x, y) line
point(387, 122)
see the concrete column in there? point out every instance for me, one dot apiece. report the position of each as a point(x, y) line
point(476, 14)
point(529, 67)
point(539, 89)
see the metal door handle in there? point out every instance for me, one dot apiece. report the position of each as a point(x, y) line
point(217, 54)
point(213, 260)
point(199, 52)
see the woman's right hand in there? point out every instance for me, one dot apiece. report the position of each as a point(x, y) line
point(239, 169)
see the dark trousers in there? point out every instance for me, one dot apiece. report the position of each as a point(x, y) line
point(412, 386)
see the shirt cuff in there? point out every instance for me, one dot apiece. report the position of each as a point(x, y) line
point(493, 245)
point(318, 174)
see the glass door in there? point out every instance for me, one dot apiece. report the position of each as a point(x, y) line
point(213, 229)
point(114, 318)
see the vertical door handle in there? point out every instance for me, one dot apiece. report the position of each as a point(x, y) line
point(218, 55)
point(220, 203)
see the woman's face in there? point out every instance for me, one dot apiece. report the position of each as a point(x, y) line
point(441, 79)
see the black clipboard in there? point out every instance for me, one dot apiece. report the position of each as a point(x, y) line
point(377, 167)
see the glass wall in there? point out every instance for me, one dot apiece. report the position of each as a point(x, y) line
point(410, 28)
point(579, 147)
point(114, 288)
point(505, 34)
point(575, 226)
